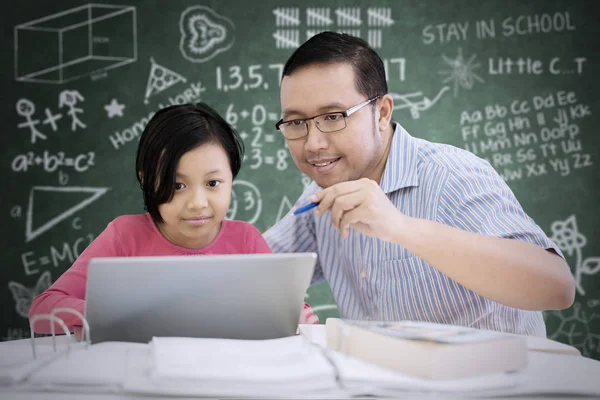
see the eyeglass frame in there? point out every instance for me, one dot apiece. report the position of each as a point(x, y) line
point(345, 114)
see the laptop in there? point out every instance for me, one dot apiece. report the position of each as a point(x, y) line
point(241, 296)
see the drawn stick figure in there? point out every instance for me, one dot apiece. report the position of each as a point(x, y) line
point(70, 98)
point(26, 108)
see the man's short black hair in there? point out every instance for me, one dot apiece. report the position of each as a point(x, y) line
point(331, 47)
point(172, 132)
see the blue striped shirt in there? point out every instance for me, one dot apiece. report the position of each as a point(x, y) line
point(375, 279)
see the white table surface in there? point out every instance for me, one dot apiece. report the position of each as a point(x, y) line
point(545, 369)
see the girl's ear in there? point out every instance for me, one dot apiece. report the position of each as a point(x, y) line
point(141, 178)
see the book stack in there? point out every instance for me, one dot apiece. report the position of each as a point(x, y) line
point(428, 350)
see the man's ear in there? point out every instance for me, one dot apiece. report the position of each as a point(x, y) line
point(386, 107)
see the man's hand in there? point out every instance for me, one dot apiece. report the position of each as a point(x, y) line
point(499, 269)
point(359, 204)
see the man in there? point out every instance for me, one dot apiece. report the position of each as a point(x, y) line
point(405, 229)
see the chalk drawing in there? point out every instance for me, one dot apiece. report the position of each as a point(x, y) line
point(160, 79)
point(75, 43)
point(462, 73)
point(204, 34)
point(24, 295)
point(114, 109)
point(31, 233)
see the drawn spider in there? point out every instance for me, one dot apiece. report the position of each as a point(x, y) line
point(462, 73)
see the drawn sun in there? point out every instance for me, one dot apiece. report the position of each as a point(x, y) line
point(461, 72)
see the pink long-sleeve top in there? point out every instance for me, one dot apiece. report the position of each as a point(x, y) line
point(137, 235)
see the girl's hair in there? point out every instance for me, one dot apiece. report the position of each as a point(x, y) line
point(172, 132)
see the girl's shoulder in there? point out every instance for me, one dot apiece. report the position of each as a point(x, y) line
point(240, 237)
point(132, 224)
point(235, 227)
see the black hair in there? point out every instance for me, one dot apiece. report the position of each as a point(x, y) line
point(332, 47)
point(172, 132)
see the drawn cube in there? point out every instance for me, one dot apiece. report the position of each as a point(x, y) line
point(75, 43)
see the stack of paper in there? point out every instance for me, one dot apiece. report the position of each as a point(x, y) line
point(287, 367)
point(282, 367)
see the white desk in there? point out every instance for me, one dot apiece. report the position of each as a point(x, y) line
point(551, 365)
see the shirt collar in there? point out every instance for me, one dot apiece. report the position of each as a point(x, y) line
point(401, 167)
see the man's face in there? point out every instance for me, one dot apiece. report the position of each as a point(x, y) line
point(330, 158)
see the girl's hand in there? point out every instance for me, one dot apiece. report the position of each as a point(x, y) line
point(308, 316)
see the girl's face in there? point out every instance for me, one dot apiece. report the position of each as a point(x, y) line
point(192, 219)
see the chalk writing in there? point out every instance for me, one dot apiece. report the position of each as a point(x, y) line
point(248, 78)
point(521, 25)
point(56, 256)
point(51, 162)
point(529, 138)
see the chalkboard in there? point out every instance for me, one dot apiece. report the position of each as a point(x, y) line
point(515, 82)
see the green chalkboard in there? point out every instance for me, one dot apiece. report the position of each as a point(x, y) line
point(515, 82)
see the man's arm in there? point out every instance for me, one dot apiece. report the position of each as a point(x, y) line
point(509, 271)
point(506, 270)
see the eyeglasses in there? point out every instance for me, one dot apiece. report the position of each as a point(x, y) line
point(328, 122)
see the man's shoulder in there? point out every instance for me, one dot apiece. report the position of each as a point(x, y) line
point(443, 157)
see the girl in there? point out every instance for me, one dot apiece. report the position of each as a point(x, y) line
point(187, 159)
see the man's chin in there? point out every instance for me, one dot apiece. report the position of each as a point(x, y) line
point(328, 180)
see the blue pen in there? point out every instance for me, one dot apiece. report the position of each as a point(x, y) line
point(307, 207)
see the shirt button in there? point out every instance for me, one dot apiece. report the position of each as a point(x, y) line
point(363, 274)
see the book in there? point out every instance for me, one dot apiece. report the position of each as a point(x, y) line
point(545, 345)
point(428, 350)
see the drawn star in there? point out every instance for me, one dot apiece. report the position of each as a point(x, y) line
point(114, 109)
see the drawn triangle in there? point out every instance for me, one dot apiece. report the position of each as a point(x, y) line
point(284, 207)
point(157, 73)
point(31, 233)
